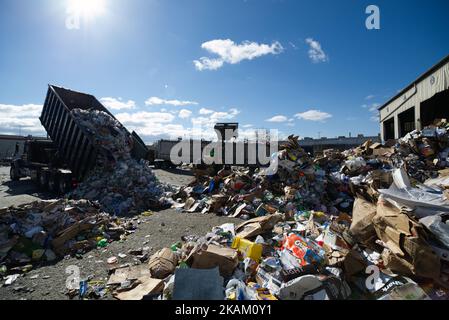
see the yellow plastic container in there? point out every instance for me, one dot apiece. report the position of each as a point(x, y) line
point(248, 248)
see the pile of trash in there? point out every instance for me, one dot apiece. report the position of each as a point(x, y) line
point(367, 223)
point(300, 183)
point(128, 189)
point(328, 182)
point(47, 230)
point(121, 184)
point(106, 133)
point(381, 251)
point(421, 153)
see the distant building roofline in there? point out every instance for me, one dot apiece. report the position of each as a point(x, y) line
point(17, 137)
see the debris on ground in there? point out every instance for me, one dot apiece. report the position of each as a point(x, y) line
point(365, 223)
point(319, 228)
point(48, 230)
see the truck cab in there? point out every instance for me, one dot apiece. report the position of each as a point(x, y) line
point(41, 162)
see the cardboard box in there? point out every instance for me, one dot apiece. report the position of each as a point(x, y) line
point(162, 263)
point(224, 258)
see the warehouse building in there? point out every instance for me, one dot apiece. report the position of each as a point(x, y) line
point(418, 105)
point(340, 143)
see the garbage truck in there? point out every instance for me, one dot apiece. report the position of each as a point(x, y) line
point(60, 163)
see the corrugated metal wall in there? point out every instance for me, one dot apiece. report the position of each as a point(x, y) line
point(436, 82)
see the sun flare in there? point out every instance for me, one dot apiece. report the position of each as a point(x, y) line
point(87, 8)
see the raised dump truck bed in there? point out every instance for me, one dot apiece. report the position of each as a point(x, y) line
point(72, 142)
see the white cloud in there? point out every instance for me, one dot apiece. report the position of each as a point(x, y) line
point(206, 111)
point(369, 97)
point(374, 113)
point(184, 114)
point(117, 104)
point(154, 101)
point(313, 115)
point(26, 110)
point(316, 53)
point(230, 52)
point(216, 116)
point(278, 118)
point(373, 107)
point(156, 125)
point(208, 64)
point(21, 119)
point(152, 125)
point(248, 126)
point(145, 118)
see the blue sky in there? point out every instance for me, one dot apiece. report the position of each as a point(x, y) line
point(164, 66)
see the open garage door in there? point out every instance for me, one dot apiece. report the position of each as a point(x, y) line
point(406, 121)
point(434, 108)
point(389, 129)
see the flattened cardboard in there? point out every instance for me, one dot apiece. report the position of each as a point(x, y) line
point(149, 286)
point(257, 226)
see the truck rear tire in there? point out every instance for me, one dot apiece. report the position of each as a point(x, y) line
point(64, 184)
point(14, 174)
point(53, 182)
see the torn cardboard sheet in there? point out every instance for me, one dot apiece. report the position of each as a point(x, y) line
point(148, 287)
point(362, 221)
point(408, 251)
point(257, 226)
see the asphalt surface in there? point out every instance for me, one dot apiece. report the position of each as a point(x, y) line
point(18, 192)
point(162, 229)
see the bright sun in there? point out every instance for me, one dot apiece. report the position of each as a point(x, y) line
point(87, 8)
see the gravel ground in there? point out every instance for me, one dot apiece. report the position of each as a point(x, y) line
point(162, 229)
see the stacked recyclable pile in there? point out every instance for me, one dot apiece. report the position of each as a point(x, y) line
point(424, 152)
point(299, 184)
point(121, 184)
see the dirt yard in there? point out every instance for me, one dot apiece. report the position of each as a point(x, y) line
point(162, 229)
